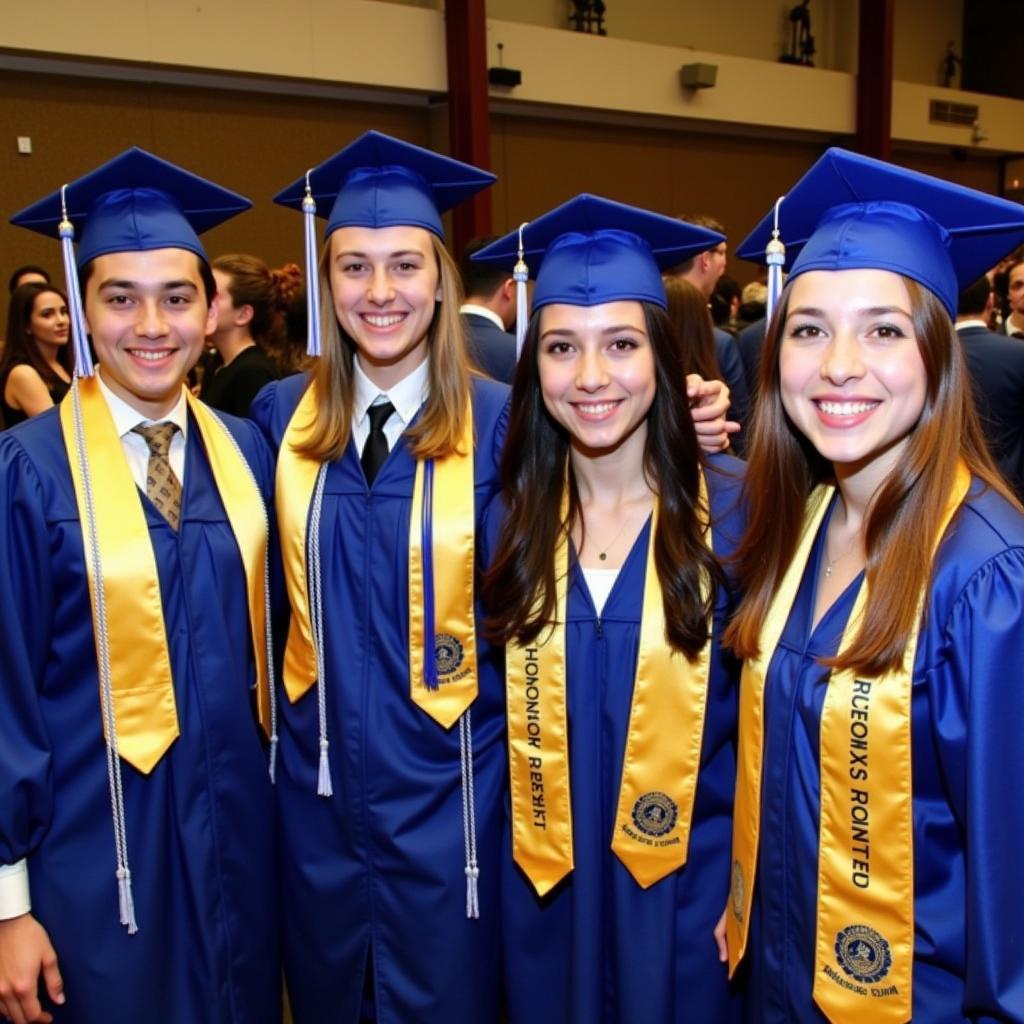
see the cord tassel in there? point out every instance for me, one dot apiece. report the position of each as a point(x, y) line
point(79, 333)
point(775, 257)
point(316, 610)
point(323, 775)
point(125, 900)
point(521, 274)
point(312, 273)
point(472, 869)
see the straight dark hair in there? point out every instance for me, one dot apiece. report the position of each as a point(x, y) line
point(19, 344)
point(519, 587)
point(903, 516)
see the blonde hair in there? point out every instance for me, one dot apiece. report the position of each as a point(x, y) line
point(439, 428)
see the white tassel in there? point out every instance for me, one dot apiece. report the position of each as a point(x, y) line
point(323, 778)
point(79, 334)
point(126, 902)
point(775, 257)
point(273, 759)
point(521, 274)
point(472, 892)
point(312, 273)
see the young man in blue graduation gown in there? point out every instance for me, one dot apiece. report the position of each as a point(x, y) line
point(135, 800)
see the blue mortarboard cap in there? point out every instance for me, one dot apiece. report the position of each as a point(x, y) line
point(590, 250)
point(134, 203)
point(852, 212)
point(381, 182)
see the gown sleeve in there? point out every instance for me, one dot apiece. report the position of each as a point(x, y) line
point(985, 635)
point(26, 597)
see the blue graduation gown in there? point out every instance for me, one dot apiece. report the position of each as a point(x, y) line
point(199, 827)
point(379, 868)
point(599, 948)
point(967, 706)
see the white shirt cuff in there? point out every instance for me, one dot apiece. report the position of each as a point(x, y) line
point(14, 895)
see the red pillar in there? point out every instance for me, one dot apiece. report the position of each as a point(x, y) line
point(469, 116)
point(874, 79)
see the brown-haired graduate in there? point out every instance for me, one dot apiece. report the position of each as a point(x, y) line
point(250, 300)
point(880, 795)
point(604, 584)
point(392, 748)
point(136, 816)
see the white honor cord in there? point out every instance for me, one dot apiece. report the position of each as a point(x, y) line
point(469, 816)
point(126, 903)
point(316, 621)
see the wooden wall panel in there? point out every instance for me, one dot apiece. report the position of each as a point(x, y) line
point(251, 142)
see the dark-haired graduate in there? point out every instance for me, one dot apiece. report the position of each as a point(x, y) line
point(880, 797)
point(136, 815)
point(605, 585)
point(392, 750)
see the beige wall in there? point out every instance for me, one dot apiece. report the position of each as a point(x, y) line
point(760, 29)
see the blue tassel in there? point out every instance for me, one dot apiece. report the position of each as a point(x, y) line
point(79, 334)
point(430, 679)
point(312, 273)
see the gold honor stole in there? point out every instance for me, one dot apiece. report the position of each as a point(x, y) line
point(865, 924)
point(660, 764)
point(122, 573)
point(442, 637)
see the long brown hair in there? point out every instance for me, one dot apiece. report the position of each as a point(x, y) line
point(252, 283)
point(19, 344)
point(532, 473)
point(688, 311)
point(904, 514)
point(438, 430)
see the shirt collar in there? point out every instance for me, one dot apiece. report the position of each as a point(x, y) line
point(406, 396)
point(487, 314)
point(127, 417)
point(961, 324)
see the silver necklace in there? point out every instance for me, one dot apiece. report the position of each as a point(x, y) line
point(832, 561)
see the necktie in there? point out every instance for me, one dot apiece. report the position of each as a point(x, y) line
point(375, 451)
point(163, 488)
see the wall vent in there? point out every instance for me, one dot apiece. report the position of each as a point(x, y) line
point(944, 112)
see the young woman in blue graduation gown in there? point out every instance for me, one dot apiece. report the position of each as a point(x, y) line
point(599, 413)
point(898, 895)
point(390, 833)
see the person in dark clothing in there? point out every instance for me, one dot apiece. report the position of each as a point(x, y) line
point(996, 366)
point(749, 343)
point(489, 309)
point(35, 367)
point(249, 314)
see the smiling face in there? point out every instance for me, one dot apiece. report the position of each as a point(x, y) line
point(148, 315)
point(597, 373)
point(384, 285)
point(851, 375)
point(49, 322)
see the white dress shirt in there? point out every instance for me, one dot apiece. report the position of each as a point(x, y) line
point(14, 891)
point(406, 396)
point(136, 450)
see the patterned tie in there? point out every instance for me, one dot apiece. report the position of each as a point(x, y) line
point(163, 488)
point(375, 451)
